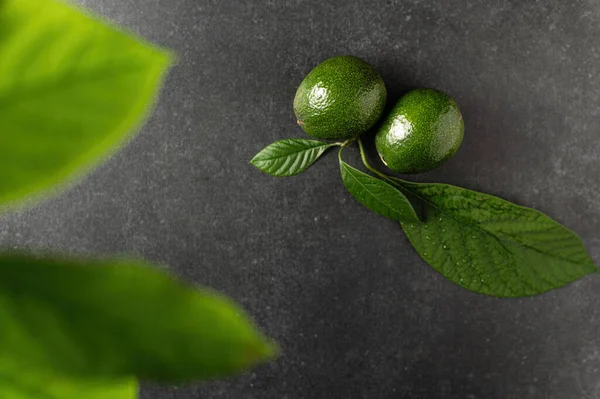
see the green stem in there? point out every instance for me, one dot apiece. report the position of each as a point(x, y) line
point(346, 143)
point(396, 182)
point(363, 156)
point(342, 146)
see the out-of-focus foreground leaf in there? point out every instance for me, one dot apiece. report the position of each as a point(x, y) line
point(19, 383)
point(119, 319)
point(72, 88)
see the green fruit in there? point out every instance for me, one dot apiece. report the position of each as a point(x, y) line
point(424, 130)
point(340, 99)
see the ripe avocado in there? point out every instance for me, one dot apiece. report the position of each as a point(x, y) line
point(423, 130)
point(340, 99)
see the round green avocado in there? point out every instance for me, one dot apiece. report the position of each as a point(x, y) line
point(424, 129)
point(340, 99)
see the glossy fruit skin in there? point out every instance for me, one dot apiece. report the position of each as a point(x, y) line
point(340, 99)
point(423, 130)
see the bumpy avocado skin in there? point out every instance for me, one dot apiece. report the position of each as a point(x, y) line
point(423, 130)
point(340, 99)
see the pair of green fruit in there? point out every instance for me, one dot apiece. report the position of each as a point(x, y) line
point(343, 97)
point(479, 241)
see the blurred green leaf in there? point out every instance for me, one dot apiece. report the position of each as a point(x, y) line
point(72, 89)
point(95, 319)
point(20, 383)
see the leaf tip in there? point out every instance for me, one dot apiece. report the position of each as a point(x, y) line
point(270, 350)
point(255, 162)
point(593, 269)
point(261, 351)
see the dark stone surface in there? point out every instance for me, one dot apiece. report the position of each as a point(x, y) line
point(357, 312)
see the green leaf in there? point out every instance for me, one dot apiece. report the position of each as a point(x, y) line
point(492, 246)
point(72, 90)
point(377, 195)
point(28, 383)
point(289, 157)
point(119, 319)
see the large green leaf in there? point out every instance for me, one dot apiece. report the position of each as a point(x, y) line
point(119, 319)
point(72, 89)
point(377, 195)
point(289, 157)
point(492, 246)
point(29, 383)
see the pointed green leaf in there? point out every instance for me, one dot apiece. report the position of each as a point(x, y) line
point(72, 90)
point(119, 319)
point(28, 383)
point(377, 195)
point(289, 157)
point(492, 246)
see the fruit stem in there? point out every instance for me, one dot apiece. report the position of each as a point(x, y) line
point(345, 143)
point(363, 156)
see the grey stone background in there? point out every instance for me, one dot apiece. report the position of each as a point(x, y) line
point(358, 314)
